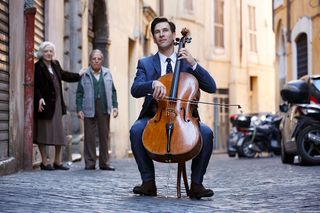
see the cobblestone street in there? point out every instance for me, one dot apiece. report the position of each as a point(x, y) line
point(240, 185)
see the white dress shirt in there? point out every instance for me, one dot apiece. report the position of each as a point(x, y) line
point(164, 63)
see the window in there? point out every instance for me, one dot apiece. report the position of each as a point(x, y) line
point(302, 55)
point(277, 3)
point(252, 29)
point(188, 6)
point(218, 24)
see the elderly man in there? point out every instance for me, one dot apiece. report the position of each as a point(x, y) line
point(96, 99)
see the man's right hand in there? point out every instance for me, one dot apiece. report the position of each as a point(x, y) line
point(80, 115)
point(159, 90)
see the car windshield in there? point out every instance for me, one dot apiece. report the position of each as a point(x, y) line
point(316, 83)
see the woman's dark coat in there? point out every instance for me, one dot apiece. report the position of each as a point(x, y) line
point(44, 88)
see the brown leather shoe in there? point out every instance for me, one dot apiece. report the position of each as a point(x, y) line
point(147, 188)
point(90, 168)
point(197, 191)
point(46, 167)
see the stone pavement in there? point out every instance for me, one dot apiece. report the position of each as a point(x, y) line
point(240, 185)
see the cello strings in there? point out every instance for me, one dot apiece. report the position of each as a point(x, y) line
point(200, 102)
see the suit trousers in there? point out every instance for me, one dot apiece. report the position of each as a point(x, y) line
point(100, 122)
point(145, 163)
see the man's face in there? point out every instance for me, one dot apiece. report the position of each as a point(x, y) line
point(96, 61)
point(163, 36)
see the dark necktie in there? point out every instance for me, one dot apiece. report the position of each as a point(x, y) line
point(169, 67)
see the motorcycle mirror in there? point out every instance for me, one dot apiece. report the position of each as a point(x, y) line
point(283, 108)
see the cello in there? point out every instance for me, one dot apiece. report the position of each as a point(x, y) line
point(173, 135)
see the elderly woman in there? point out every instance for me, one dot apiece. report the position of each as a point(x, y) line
point(49, 105)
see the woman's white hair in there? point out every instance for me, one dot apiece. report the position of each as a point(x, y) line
point(42, 46)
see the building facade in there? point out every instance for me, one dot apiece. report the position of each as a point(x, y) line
point(233, 39)
point(297, 31)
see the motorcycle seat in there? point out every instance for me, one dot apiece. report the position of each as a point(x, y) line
point(264, 129)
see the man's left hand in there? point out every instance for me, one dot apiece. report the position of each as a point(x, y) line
point(184, 54)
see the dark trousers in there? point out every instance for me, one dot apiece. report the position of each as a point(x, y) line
point(100, 122)
point(145, 163)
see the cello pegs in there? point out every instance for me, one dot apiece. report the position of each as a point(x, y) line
point(176, 42)
point(188, 40)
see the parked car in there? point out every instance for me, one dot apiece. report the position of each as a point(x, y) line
point(301, 121)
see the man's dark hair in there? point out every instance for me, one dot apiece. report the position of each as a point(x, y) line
point(162, 19)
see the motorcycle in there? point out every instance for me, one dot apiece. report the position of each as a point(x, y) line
point(263, 135)
point(253, 134)
point(234, 137)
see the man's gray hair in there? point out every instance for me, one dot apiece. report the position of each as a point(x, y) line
point(96, 51)
point(42, 46)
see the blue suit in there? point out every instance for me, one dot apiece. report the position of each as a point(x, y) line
point(148, 70)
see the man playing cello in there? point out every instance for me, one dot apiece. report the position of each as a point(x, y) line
point(150, 69)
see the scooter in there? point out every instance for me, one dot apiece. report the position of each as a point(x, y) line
point(263, 135)
point(236, 133)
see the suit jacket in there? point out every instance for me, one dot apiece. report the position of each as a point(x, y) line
point(44, 88)
point(149, 69)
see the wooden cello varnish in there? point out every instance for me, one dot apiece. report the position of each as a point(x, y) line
point(173, 134)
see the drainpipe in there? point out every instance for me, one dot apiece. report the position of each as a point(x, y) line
point(28, 87)
point(288, 21)
point(161, 7)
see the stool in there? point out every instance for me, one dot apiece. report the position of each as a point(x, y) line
point(182, 171)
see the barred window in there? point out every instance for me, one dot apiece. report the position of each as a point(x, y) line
point(302, 55)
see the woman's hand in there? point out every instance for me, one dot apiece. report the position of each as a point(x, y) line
point(115, 112)
point(41, 104)
point(82, 71)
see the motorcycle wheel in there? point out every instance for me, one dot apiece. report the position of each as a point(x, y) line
point(246, 151)
point(307, 149)
point(285, 157)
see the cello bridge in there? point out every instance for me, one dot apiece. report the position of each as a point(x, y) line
point(171, 113)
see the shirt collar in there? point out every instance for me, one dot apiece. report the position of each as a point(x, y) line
point(95, 73)
point(163, 58)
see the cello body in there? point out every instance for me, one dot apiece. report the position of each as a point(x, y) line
point(173, 134)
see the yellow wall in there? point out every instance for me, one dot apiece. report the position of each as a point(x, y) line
point(299, 9)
